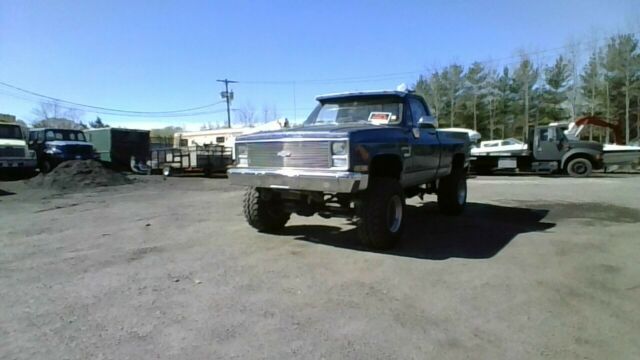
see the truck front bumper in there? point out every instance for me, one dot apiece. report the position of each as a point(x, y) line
point(25, 163)
point(309, 180)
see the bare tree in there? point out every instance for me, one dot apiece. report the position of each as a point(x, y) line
point(269, 113)
point(246, 115)
point(54, 110)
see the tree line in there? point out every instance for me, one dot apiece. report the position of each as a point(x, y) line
point(501, 103)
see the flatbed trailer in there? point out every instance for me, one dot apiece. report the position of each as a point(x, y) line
point(547, 150)
point(207, 160)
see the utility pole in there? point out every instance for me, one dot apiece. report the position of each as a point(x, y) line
point(227, 96)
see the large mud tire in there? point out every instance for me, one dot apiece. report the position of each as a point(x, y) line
point(46, 166)
point(264, 215)
point(452, 192)
point(381, 214)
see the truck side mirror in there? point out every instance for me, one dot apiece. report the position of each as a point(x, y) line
point(427, 122)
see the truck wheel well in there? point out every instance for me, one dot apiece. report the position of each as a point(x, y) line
point(386, 166)
point(578, 155)
point(457, 162)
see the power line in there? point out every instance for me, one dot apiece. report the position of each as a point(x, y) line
point(104, 112)
point(398, 75)
point(129, 112)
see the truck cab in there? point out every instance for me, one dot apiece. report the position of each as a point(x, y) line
point(53, 146)
point(15, 156)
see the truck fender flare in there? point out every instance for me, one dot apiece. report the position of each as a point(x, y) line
point(588, 153)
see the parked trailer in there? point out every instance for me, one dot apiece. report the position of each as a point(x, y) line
point(121, 148)
point(207, 159)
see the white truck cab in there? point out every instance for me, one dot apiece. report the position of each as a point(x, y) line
point(15, 155)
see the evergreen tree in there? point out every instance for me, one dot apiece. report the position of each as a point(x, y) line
point(475, 87)
point(622, 63)
point(554, 94)
point(452, 82)
point(592, 88)
point(525, 76)
point(98, 124)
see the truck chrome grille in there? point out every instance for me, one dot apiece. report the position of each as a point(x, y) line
point(12, 152)
point(295, 154)
point(78, 149)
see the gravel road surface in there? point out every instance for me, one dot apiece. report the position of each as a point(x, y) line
point(537, 267)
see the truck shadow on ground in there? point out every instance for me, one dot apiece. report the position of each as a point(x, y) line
point(5, 193)
point(480, 233)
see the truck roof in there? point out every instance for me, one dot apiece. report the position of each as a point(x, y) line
point(397, 93)
point(52, 128)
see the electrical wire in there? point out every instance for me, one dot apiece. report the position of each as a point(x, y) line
point(92, 107)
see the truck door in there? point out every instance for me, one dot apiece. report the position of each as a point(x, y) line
point(426, 146)
point(546, 144)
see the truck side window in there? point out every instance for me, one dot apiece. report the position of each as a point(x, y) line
point(417, 110)
point(544, 134)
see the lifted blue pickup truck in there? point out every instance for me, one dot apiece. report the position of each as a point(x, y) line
point(358, 155)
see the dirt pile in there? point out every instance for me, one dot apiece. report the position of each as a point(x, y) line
point(78, 174)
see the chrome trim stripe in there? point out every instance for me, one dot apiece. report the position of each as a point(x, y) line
point(291, 140)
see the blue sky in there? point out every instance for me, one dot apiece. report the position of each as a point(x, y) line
point(165, 55)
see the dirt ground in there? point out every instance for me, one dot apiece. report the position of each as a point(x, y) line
point(537, 267)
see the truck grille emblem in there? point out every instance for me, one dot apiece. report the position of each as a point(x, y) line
point(284, 153)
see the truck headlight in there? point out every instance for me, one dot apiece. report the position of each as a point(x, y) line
point(339, 148)
point(53, 150)
point(242, 152)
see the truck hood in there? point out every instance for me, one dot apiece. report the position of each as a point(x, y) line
point(585, 144)
point(69, 142)
point(315, 132)
point(12, 142)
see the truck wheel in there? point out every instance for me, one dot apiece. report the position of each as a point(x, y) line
point(452, 192)
point(263, 215)
point(46, 166)
point(579, 167)
point(381, 214)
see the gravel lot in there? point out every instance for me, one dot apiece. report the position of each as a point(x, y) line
point(538, 267)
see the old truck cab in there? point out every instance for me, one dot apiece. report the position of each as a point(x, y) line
point(53, 146)
point(15, 156)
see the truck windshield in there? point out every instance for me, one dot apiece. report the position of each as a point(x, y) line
point(10, 132)
point(374, 111)
point(68, 135)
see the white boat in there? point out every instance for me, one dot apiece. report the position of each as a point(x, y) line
point(620, 154)
point(500, 147)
